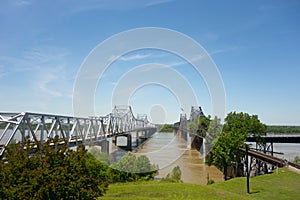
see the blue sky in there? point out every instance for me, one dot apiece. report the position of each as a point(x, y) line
point(254, 44)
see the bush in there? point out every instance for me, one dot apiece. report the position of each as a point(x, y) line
point(175, 175)
point(296, 160)
point(210, 182)
point(100, 156)
point(132, 168)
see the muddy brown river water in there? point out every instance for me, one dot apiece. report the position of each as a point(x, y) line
point(168, 150)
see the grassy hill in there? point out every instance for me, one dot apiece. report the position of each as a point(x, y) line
point(284, 185)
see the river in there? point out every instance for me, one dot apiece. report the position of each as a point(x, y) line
point(168, 150)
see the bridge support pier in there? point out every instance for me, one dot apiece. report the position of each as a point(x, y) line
point(126, 146)
point(104, 146)
point(137, 137)
point(197, 143)
point(129, 142)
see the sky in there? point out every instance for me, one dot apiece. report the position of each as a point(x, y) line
point(255, 46)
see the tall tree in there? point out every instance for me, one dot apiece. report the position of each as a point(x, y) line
point(237, 127)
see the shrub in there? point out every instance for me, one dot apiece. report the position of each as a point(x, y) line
point(175, 175)
point(132, 168)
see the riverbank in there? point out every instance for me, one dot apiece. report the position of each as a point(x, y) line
point(282, 184)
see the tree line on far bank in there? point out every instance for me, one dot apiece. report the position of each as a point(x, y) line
point(283, 129)
point(167, 128)
point(272, 129)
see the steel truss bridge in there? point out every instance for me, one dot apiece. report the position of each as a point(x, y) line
point(189, 133)
point(182, 125)
point(263, 153)
point(260, 161)
point(70, 130)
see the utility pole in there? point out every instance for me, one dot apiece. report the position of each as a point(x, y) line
point(247, 169)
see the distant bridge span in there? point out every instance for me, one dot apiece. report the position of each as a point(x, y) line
point(71, 130)
point(276, 139)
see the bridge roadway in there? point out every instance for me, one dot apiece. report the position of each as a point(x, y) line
point(276, 139)
point(39, 127)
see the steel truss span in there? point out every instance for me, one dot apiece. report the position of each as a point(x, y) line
point(196, 114)
point(38, 127)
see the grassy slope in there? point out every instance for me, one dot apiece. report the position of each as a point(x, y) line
point(284, 185)
point(157, 190)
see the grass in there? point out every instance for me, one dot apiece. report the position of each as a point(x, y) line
point(163, 190)
point(284, 185)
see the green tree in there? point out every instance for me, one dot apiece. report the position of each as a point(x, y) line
point(51, 172)
point(213, 132)
point(244, 124)
point(132, 168)
point(237, 127)
point(199, 126)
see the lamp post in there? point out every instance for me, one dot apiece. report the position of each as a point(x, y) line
point(247, 169)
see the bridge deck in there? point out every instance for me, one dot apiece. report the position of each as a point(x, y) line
point(276, 139)
point(264, 157)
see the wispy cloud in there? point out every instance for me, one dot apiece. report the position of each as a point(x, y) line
point(23, 2)
point(16, 65)
point(185, 62)
point(224, 50)
point(48, 77)
point(113, 83)
point(32, 60)
point(157, 2)
point(135, 57)
point(78, 6)
point(43, 55)
point(176, 64)
point(41, 67)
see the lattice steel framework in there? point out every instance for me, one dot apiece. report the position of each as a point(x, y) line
point(183, 123)
point(196, 113)
point(71, 130)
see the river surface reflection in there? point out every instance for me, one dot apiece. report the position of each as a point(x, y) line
point(168, 150)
